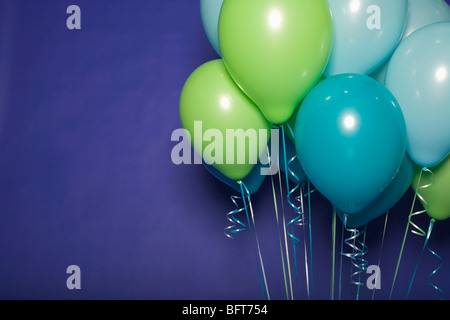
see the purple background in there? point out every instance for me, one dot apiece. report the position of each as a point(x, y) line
point(86, 177)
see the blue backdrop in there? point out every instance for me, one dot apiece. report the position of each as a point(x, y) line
point(86, 178)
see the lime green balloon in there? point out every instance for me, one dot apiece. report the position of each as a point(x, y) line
point(276, 50)
point(224, 125)
point(436, 195)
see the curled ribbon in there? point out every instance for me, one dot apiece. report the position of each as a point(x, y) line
point(359, 250)
point(416, 229)
point(434, 272)
point(428, 235)
point(300, 218)
point(425, 205)
point(236, 225)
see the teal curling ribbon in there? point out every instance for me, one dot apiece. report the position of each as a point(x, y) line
point(425, 246)
point(359, 250)
point(299, 220)
point(442, 292)
point(415, 228)
point(236, 225)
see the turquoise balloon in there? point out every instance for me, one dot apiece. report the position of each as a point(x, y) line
point(388, 199)
point(210, 11)
point(350, 137)
point(421, 13)
point(419, 77)
point(366, 32)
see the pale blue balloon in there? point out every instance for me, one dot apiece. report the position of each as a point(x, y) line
point(210, 12)
point(421, 13)
point(419, 77)
point(388, 199)
point(366, 32)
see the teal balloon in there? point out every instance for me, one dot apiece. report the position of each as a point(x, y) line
point(421, 13)
point(350, 136)
point(210, 12)
point(419, 77)
point(388, 199)
point(366, 32)
point(294, 166)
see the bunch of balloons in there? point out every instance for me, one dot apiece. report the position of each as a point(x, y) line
point(364, 84)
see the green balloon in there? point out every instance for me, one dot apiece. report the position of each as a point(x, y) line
point(434, 189)
point(276, 50)
point(224, 125)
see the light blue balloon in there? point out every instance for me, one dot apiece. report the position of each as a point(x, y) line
point(366, 32)
point(421, 13)
point(388, 199)
point(210, 11)
point(350, 137)
point(419, 77)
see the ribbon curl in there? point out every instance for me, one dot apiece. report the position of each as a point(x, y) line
point(425, 246)
point(416, 229)
point(236, 225)
point(299, 221)
point(359, 250)
point(442, 292)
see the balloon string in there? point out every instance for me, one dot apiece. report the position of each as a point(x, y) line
point(425, 245)
point(309, 229)
point(359, 250)
point(261, 270)
point(279, 235)
point(416, 229)
point(434, 272)
point(310, 237)
point(285, 236)
point(341, 258)
point(381, 250)
point(285, 231)
point(300, 218)
point(305, 247)
point(333, 255)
